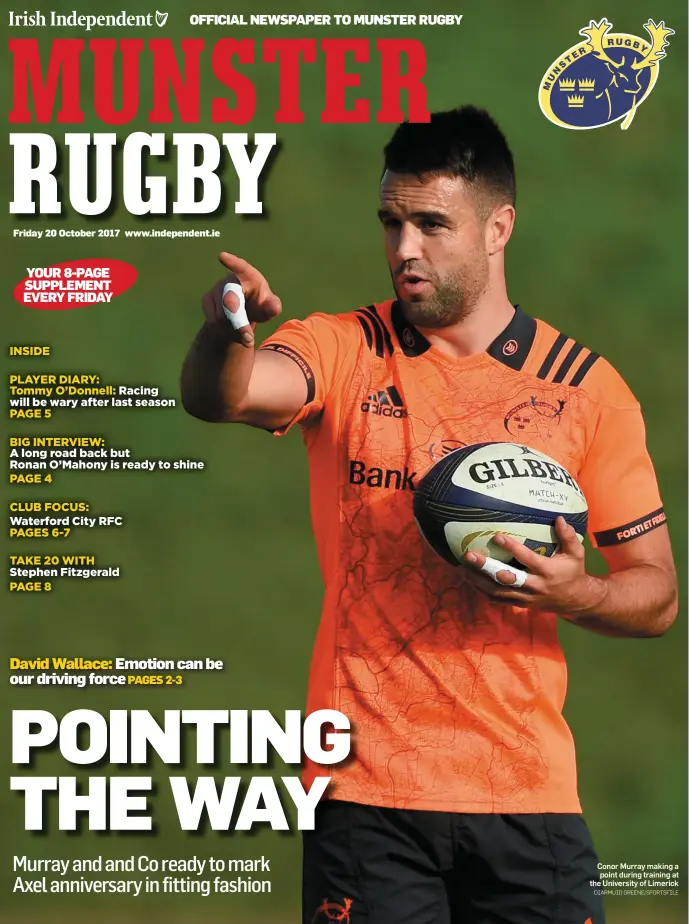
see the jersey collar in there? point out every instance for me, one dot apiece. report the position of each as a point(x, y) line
point(511, 347)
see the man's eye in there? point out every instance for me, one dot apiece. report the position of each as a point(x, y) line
point(390, 223)
point(429, 225)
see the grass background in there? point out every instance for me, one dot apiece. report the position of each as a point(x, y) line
point(222, 563)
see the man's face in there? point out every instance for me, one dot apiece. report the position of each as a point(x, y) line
point(435, 247)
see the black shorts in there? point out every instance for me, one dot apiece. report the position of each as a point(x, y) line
point(369, 865)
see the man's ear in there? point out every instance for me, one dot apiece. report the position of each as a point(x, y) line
point(498, 229)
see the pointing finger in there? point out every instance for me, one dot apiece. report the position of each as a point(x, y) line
point(247, 274)
point(264, 304)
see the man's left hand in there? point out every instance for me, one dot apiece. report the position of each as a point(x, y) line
point(557, 584)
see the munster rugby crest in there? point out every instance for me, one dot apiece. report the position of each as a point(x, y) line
point(603, 79)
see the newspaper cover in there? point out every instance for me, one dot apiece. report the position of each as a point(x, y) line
point(344, 463)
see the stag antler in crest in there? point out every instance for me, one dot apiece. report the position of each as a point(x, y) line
point(596, 32)
point(659, 41)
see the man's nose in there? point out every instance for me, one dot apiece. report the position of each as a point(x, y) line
point(409, 244)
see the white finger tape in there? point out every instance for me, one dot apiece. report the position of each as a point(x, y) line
point(492, 566)
point(238, 318)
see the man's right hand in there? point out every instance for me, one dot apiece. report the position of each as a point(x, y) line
point(261, 303)
point(224, 378)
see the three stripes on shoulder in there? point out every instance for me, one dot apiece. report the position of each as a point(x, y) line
point(564, 355)
point(559, 362)
point(375, 331)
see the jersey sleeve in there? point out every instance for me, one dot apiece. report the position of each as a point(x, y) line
point(617, 477)
point(318, 346)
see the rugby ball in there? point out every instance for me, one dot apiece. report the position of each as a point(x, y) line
point(477, 491)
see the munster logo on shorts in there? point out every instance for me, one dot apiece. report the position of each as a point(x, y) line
point(333, 911)
point(385, 403)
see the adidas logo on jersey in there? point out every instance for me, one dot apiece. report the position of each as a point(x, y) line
point(385, 403)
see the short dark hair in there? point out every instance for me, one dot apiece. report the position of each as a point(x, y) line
point(464, 142)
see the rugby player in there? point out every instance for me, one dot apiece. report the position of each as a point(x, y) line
point(460, 805)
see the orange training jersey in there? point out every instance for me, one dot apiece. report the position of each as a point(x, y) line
point(455, 701)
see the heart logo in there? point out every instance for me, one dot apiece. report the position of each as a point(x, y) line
point(161, 18)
